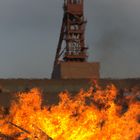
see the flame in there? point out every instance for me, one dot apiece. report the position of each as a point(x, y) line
point(87, 116)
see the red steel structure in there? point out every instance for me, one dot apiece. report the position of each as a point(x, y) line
point(71, 46)
point(72, 32)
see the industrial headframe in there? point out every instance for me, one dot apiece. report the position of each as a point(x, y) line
point(71, 55)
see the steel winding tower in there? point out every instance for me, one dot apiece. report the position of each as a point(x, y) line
point(71, 46)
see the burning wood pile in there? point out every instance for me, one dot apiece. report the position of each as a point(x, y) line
point(93, 114)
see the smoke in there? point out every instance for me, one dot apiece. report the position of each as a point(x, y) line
point(114, 36)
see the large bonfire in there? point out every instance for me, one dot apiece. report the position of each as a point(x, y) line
point(90, 115)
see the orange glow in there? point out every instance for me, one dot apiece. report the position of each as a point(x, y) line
point(87, 116)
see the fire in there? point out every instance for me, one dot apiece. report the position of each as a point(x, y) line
point(87, 116)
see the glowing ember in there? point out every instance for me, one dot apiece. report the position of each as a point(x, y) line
point(87, 116)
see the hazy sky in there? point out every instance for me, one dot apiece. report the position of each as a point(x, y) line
point(29, 33)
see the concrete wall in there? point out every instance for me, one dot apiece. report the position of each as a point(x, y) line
point(79, 70)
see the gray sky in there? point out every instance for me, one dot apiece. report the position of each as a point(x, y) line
point(29, 33)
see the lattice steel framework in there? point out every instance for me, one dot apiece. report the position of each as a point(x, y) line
point(71, 45)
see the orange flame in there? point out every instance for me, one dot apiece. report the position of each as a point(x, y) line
point(87, 116)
